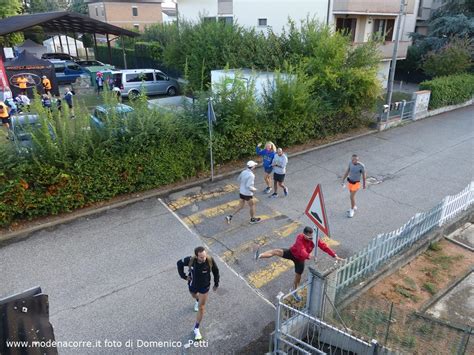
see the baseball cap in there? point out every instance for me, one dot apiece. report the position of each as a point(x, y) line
point(251, 164)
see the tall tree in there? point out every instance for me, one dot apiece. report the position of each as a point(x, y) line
point(36, 6)
point(10, 8)
point(78, 6)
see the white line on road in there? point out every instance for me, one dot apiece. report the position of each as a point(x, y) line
point(259, 294)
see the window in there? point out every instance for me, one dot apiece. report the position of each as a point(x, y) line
point(138, 77)
point(160, 76)
point(347, 25)
point(73, 67)
point(384, 27)
point(97, 11)
point(102, 10)
point(136, 26)
point(228, 20)
point(59, 67)
point(262, 22)
point(134, 11)
point(209, 19)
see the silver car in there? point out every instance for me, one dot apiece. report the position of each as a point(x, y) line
point(132, 81)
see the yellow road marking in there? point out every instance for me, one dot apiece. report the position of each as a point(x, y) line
point(187, 200)
point(264, 276)
point(219, 210)
point(281, 233)
point(288, 229)
point(330, 242)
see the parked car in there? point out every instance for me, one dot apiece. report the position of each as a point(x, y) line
point(59, 56)
point(101, 114)
point(22, 128)
point(93, 63)
point(153, 81)
point(67, 71)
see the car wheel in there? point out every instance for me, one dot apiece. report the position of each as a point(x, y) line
point(133, 94)
point(171, 91)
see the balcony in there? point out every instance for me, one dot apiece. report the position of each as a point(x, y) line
point(386, 49)
point(370, 6)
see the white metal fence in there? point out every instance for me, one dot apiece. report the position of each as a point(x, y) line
point(385, 246)
point(298, 332)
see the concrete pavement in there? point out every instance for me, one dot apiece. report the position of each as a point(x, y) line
point(410, 170)
point(113, 276)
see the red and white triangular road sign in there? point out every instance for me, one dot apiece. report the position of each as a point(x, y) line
point(316, 211)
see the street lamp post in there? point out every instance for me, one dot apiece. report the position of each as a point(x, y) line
point(211, 118)
point(394, 57)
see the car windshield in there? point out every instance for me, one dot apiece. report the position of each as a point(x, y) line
point(24, 129)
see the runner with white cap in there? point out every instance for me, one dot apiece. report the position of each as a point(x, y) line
point(247, 189)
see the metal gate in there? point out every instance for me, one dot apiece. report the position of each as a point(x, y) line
point(400, 109)
point(299, 332)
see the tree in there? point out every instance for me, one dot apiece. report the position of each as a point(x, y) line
point(36, 6)
point(454, 58)
point(78, 6)
point(10, 8)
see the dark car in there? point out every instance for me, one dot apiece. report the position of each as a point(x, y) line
point(101, 114)
point(67, 71)
point(60, 56)
point(22, 129)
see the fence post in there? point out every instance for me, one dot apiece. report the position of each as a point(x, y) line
point(277, 324)
point(404, 102)
point(374, 347)
point(443, 212)
point(315, 301)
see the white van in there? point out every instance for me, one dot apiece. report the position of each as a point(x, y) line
point(132, 81)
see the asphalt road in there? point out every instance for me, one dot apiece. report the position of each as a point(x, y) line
point(114, 276)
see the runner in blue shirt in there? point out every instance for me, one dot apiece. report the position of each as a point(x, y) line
point(268, 154)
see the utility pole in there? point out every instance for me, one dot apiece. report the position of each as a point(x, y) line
point(394, 56)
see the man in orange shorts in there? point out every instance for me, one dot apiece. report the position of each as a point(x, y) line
point(354, 172)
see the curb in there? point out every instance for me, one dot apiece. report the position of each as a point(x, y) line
point(25, 233)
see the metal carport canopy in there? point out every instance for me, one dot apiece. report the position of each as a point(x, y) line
point(61, 21)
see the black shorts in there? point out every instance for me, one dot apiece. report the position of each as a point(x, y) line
point(279, 177)
point(299, 265)
point(201, 291)
point(245, 197)
point(6, 120)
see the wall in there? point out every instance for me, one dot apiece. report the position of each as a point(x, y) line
point(192, 9)
point(383, 71)
point(247, 12)
point(120, 14)
point(277, 12)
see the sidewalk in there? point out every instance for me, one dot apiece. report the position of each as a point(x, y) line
point(114, 277)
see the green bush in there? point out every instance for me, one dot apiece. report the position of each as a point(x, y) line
point(323, 86)
point(449, 90)
point(79, 166)
point(454, 58)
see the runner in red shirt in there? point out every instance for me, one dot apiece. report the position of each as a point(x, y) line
point(298, 253)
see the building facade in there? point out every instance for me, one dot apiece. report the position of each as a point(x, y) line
point(134, 15)
point(362, 19)
point(261, 14)
point(425, 10)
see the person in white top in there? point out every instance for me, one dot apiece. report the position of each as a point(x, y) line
point(247, 188)
point(279, 163)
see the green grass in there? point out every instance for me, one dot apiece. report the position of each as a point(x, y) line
point(406, 293)
point(410, 283)
point(445, 261)
point(430, 287)
point(435, 246)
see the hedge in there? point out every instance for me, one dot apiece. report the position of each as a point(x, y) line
point(449, 90)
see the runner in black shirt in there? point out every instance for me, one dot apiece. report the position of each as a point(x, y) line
point(199, 281)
